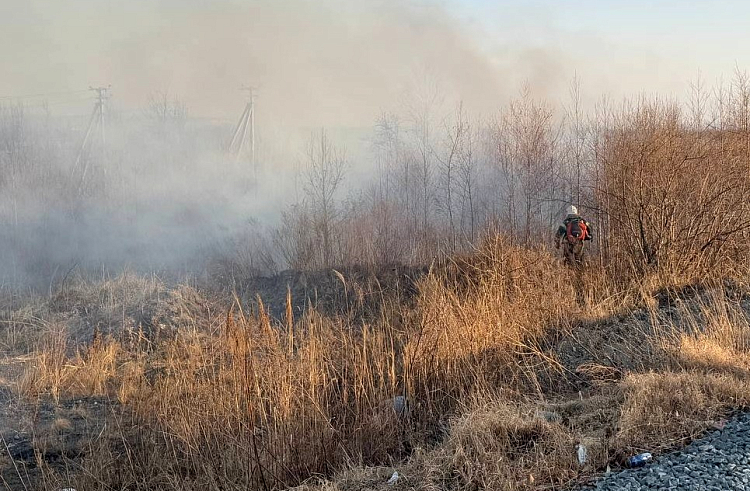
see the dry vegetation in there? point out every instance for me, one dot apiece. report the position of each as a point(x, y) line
point(486, 375)
point(504, 371)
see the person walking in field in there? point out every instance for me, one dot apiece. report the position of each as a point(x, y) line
point(573, 233)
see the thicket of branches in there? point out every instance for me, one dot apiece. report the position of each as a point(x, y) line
point(664, 184)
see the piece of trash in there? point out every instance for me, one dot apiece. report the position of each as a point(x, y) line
point(549, 416)
point(393, 478)
point(400, 406)
point(67, 489)
point(608, 471)
point(582, 454)
point(639, 460)
point(719, 425)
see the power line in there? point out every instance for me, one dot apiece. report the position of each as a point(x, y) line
point(49, 94)
point(43, 104)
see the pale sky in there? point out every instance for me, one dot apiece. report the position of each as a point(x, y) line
point(340, 62)
point(623, 46)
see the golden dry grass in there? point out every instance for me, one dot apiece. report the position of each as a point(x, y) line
point(665, 409)
point(498, 397)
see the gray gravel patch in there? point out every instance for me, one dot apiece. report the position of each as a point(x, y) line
point(720, 461)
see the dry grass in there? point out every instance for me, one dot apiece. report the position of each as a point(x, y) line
point(506, 363)
point(666, 409)
point(709, 345)
point(503, 446)
point(486, 315)
point(87, 373)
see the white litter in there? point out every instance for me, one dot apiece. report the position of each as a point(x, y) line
point(393, 478)
point(582, 454)
point(400, 405)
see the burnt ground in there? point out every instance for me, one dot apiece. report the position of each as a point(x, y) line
point(45, 437)
point(333, 291)
point(43, 434)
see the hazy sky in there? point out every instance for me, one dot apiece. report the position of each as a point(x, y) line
point(340, 62)
point(621, 47)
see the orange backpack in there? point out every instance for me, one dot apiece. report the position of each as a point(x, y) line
point(577, 230)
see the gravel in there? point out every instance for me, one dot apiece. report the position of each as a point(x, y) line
point(720, 461)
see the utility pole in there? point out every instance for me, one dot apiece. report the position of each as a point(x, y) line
point(101, 97)
point(244, 125)
point(97, 118)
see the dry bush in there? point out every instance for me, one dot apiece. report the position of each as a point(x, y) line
point(263, 405)
point(708, 340)
point(49, 370)
point(663, 410)
point(665, 213)
point(271, 403)
point(132, 383)
point(22, 319)
point(493, 444)
point(246, 254)
point(111, 305)
point(274, 403)
point(90, 372)
point(698, 355)
point(714, 335)
point(184, 308)
point(482, 321)
point(94, 369)
point(499, 446)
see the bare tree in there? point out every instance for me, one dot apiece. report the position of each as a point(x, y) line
point(739, 107)
point(294, 238)
point(698, 103)
point(325, 172)
point(165, 111)
point(456, 133)
point(467, 176)
point(421, 110)
point(527, 152)
point(577, 139)
point(385, 213)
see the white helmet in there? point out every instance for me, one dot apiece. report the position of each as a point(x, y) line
point(572, 210)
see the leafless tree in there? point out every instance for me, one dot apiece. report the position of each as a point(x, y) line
point(325, 171)
point(454, 146)
point(526, 142)
point(166, 111)
point(467, 176)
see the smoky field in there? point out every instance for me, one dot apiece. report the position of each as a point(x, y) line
point(355, 273)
